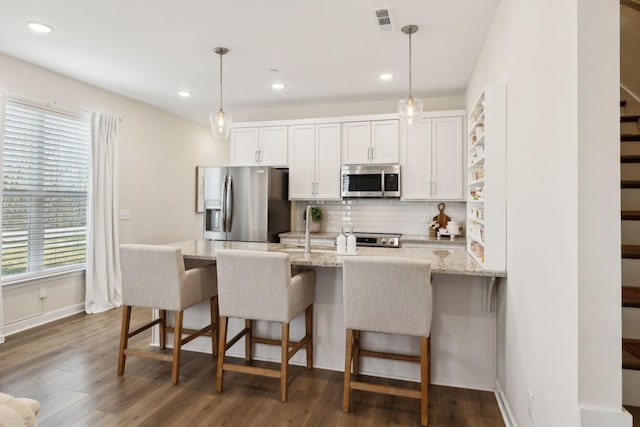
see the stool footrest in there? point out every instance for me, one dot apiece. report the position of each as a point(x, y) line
point(148, 354)
point(251, 370)
point(386, 389)
point(392, 356)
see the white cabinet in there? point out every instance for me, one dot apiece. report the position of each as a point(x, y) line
point(370, 142)
point(486, 170)
point(259, 146)
point(314, 169)
point(432, 159)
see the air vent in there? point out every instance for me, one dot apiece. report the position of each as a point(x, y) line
point(384, 18)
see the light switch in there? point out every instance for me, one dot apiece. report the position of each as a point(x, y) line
point(125, 214)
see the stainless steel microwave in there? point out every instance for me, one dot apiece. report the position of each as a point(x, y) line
point(371, 180)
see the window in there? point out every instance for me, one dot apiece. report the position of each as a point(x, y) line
point(46, 157)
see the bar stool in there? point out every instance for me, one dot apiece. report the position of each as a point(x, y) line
point(256, 285)
point(155, 277)
point(389, 295)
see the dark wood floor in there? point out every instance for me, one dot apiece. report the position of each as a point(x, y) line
point(70, 367)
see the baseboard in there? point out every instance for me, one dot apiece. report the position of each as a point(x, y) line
point(598, 417)
point(503, 403)
point(32, 322)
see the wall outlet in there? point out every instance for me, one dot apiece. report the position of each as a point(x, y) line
point(43, 292)
point(530, 405)
point(125, 214)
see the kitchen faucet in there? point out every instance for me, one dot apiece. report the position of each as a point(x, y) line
point(307, 242)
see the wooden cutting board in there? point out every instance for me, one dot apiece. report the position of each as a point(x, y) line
point(442, 218)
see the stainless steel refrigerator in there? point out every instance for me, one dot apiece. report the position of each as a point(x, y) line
point(248, 204)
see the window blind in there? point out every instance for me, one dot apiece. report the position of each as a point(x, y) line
point(46, 157)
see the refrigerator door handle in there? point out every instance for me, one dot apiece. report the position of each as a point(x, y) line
point(229, 204)
point(224, 203)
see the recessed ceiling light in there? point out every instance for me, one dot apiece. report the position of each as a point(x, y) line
point(39, 27)
point(278, 86)
point(385, 76)
point(184, 94)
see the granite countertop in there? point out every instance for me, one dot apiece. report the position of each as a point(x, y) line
point(442, 261)
point(404, 238)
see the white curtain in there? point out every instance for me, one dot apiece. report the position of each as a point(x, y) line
point(103, 285)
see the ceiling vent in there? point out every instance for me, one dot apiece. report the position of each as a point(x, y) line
point(384, 19)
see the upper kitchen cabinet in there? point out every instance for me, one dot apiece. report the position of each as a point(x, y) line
point(370, 142)
point(314, 167)
point(432, 157)
point(259, 146)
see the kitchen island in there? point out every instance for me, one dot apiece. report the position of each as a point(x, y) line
point(463, 328)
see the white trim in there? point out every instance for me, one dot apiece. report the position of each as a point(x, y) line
point(30, 281)
point(505, 409)
point(597, 417)
point(32, 322)
point(343, 119)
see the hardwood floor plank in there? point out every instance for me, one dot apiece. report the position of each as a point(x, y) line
point(70, 367)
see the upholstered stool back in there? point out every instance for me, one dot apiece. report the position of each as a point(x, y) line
point(387, 294)
point(258, 285)
point(154, 277)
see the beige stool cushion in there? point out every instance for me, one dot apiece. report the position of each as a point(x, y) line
point(387, 294)
point(154, 277)
point(258, 285)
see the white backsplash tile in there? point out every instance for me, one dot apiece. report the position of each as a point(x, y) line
point(380, 215)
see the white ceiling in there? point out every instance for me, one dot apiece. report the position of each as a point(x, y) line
point(325, 51)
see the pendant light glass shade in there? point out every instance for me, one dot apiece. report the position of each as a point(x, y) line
point(220, 121)
point(220, 124)
point(409, 108)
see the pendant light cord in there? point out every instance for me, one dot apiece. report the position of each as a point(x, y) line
point(410, 65)
point(220, 82)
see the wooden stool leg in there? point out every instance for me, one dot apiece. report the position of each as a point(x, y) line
point(247, 339)
point(429, 359)
point(124, 337)
point(222, 344)
point(162, 329)
point(348, 353)
point(308, 314)
point(424, 380)
point(356, 352)
point(214, 325)
point(177, 346)
point(284, 363)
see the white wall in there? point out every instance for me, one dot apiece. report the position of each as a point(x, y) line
point(560, 319)
point(158, 155)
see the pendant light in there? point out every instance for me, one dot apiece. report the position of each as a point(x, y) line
point(220, 121)
point(409, 108)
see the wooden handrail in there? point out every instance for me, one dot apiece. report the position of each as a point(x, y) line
point(631, 3)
